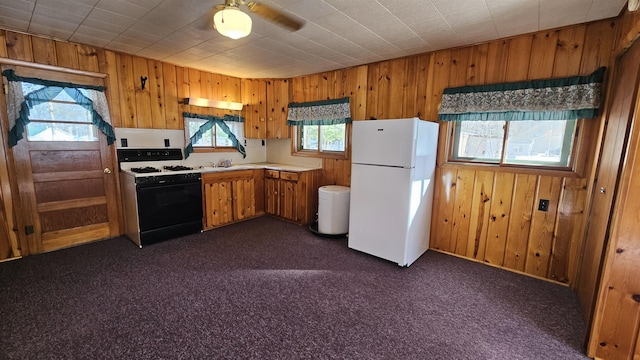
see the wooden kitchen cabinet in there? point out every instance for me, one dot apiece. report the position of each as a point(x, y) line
point(292, 195)
point(265, 108)
point(232, 196)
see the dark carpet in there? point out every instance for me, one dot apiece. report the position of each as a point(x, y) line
point(268, 289)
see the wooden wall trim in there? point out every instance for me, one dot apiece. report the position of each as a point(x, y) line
point(13, 62)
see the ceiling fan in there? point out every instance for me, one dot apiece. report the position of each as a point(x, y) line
point(234, 23)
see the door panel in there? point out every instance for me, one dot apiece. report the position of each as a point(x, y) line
point(72, 199)
point(621, 107)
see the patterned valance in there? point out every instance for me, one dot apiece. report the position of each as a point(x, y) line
point(225, 123)
point(19, 104)
point(570, 98)
point(324, 112)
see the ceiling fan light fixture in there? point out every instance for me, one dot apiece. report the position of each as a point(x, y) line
point(232, 22)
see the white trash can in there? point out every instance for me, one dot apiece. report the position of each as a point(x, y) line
point(333, 209)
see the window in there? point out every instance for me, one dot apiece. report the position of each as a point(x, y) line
point(59, 119)
point(527, 143)
point(321, 139)
point(320, 127)
point(214, 137)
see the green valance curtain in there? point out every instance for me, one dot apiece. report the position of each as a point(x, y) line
point(324, 112)
point(231, 125)
point(19, 104)
point(570, 98)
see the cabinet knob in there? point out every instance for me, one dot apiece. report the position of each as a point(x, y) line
point(602, 190)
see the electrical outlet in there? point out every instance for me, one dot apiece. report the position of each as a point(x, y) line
point(167, 143)
point(124, 142)
point(543, 205)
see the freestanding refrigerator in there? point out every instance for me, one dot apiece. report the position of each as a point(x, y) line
point(392, 180)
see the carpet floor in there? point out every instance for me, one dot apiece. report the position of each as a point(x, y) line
point(268, 289)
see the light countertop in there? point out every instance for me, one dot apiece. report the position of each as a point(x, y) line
point(270, 166)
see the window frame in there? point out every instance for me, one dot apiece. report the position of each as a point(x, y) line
point(576, 159)
point(296, 146)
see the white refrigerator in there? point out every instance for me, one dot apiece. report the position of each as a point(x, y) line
point(392, 180)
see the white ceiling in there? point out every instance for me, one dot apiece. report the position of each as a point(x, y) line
point(337, 33)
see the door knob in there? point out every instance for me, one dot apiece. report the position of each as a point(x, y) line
point(107, 170)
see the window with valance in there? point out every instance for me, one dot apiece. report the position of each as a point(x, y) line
point(214, 132)
point(320, 127)
point(520, 123)
point(55, 111)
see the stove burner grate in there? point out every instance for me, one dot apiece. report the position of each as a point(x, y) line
point(147, 169)
point(177, 168)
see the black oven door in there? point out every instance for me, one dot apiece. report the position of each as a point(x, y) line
point(169, 211)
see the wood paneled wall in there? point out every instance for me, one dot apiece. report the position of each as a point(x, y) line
point(483, 213)
point(542, 244)
point(351, 82)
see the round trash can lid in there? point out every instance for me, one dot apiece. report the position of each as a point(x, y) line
point(334, 188)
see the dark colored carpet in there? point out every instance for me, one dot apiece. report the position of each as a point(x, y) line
point(267, 289)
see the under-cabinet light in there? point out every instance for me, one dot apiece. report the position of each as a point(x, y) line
point(228, 105)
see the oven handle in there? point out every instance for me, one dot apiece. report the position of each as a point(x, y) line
point(164, 185)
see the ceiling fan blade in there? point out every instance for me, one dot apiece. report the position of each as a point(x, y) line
point(276, 16)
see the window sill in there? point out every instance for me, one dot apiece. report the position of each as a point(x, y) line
point(511, 169)
point(210, 150)
point(324, 155)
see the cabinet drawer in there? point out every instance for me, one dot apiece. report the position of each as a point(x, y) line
point(292, 176)
point(272, 174)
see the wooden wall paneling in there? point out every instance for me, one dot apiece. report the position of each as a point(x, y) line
point(67, 55)
point(542, 226)
point(410, 88)
point(182, 80)
point(519, 58)
point(444, 203)
point(569, 51)
point(194, 83)
point(127, 90)
point(599, 41)
point(498, 54)
point(458, 67)
point(107, 64)
point(543, 54)
point(480, 210)
point(170, 87)
point(461, 217)
point(439, 81)
point(143, 96)
point(355, 86)
point(628, 33)
point(372, 90)
point(567, 234)
point(88, 59)
point(19, 46)
point(44, 51)
point(155, 83)
point(524, 191)
point(421, 83)
point(384, 90)
point(212, 88)
point(397, 85)
point(499, 217)
point(8, 224)
point(477, 67)
point(3, 44)
point(231, 88)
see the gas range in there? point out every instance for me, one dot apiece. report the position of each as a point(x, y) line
point(153, 162)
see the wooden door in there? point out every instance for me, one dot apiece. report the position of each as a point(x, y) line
point(244, 194)
point(621, 107)
point(66, 189)
point(272, 192)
